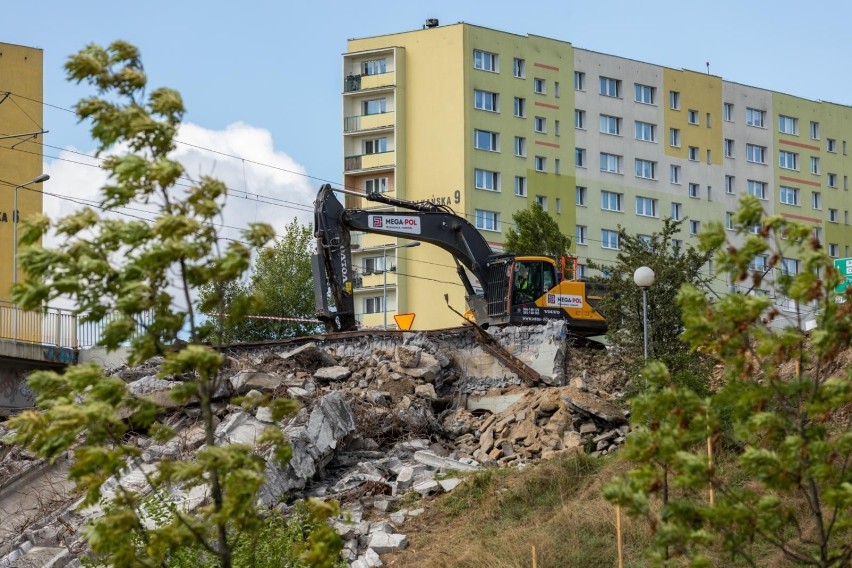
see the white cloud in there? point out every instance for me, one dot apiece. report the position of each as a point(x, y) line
point(273, 193)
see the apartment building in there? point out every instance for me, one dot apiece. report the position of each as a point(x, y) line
point(21, 126)
point(487, 121)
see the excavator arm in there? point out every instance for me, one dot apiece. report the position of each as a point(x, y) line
point(332, 263)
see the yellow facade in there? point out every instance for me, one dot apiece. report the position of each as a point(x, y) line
point(21, 117)
point(697, 114)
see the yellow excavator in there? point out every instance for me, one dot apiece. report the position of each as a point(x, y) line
point(514, 289)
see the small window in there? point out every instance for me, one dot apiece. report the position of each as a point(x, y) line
point(611, 201)
point(520, 107)
point(373, 67)
point(579, 81)
point(646, 169)
point(542, 201)
point(755, 153)
point(676, 211)
point(694, 190)
point(376, 185)
point(373, 305)
point(832, 180)
point(581, 194)
point(674, 100)
point(757, 189)
point(831, 145)
point(610, 163)
point(729, 220)
point(729, 185)
point(485, 140)
point(728, 112)
point(729, 148)
point(610, 124)
point(833, 250)
point(833, 216)
point(816, 200)
point(674, 174)
point(788, 195)
point(556, 92)
point(540, 124)
point(558, 206)
point(692, 116)
point(485, 61)
point(375, 145)
point(694, 227)
point(609, 239)
point(485, 100)
point(674, 137)
point(693, 153)
point(557, 166)
point(373, 106)
point(644, 94)
point(486, 179)
point(646, 131)
point(580, 157)
point(581, 234)
point(788, 125)
point(539, 86)
point(518, 68)
point(487, 220)
point(540, 164)
point(814, 130)
point(815, 165)
point(556, 127)
point(755, 117)
point(646, 207)
point(520, 186)
point(520, 146)
point(610, 87)
point(580, 119)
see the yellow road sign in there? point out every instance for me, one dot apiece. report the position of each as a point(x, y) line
point(404, 321)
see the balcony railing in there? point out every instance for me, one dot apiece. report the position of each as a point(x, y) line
point(369, 161)
point(368, 121)
point(352, 83)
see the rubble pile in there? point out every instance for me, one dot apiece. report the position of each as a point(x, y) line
point(380, 419)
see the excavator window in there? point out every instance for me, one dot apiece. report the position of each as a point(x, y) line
point(532, 279)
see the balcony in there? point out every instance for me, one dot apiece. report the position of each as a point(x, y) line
point(364, 122)
point(355, 83)
point(369, 161)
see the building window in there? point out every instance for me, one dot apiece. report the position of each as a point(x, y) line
point(694, 227)
point(674, 137)
point(729, 148)
point(610, 124)
point(646, 207)
point(609, 239)
point(788, 195)
point(518, 68)
point(610, 87)
point(520, 186)
point(694, 190)
point(579, 81)
point(376, 185)
point(580, 119)
point(757, 189)
point(646, 169)
point(674, 100)
point(556, 89)
point(788, 160)
point(557, 166)
point(831, 145)
point(520, 146)
point(833, 250)
point(375, 145)
point(759, 263)
point(788, 125)
point(485, 61)
point(693, 153)
point(539, 86)
point(542, 201)
point(373, 305)
point(540, 124)
point(728, 112)
point(556, 127)
point(485, 140)
point(644, 94)
point(729, 220)
point(540, 164)
point(676, 211)
point(833, 216)
point(374, 264)
point(581, 194)
point(789, 266)
point(520, 107)
point(814, 129)
point(832, 180)
point(755, 117)
point(646, 131)
point(814, 165)
point(692, 116)
point(580, 157)
point(485, 100)
point(373, 106)
point(580, 234)
point(611, 201)
point(729, 184)
point(373, 67)
point(486, 179)
point(755, 153)
point(674, 174)
point(610, 163)
point(487, 220)
point(816, 200)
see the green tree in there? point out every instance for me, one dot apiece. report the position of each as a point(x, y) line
point(537, 233)
point(128, 268)
point(782, 410)
point(623, 308)
point(280, 287)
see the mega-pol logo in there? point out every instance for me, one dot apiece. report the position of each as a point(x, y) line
point(397, 223)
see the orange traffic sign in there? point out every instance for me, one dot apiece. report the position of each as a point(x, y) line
point(404, 321)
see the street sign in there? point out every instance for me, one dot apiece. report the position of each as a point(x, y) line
point(844, 266)
point(404, 321)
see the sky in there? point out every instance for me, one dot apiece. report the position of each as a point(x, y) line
point(262, 80)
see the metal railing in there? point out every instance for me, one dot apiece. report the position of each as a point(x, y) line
point(58, 327)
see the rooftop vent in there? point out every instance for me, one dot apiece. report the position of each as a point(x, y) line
point(431, 23)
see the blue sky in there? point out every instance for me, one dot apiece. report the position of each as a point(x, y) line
point(262, 80)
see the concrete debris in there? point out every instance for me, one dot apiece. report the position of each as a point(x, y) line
point(381, 418)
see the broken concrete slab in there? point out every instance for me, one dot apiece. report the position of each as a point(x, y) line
point(333, 373)
point(309, 355)
point(383, 543)
point(245, 381)
point(591, 404)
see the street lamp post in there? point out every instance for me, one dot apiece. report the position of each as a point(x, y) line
point(385, 250)
point(15, 218)
point(644, 278)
